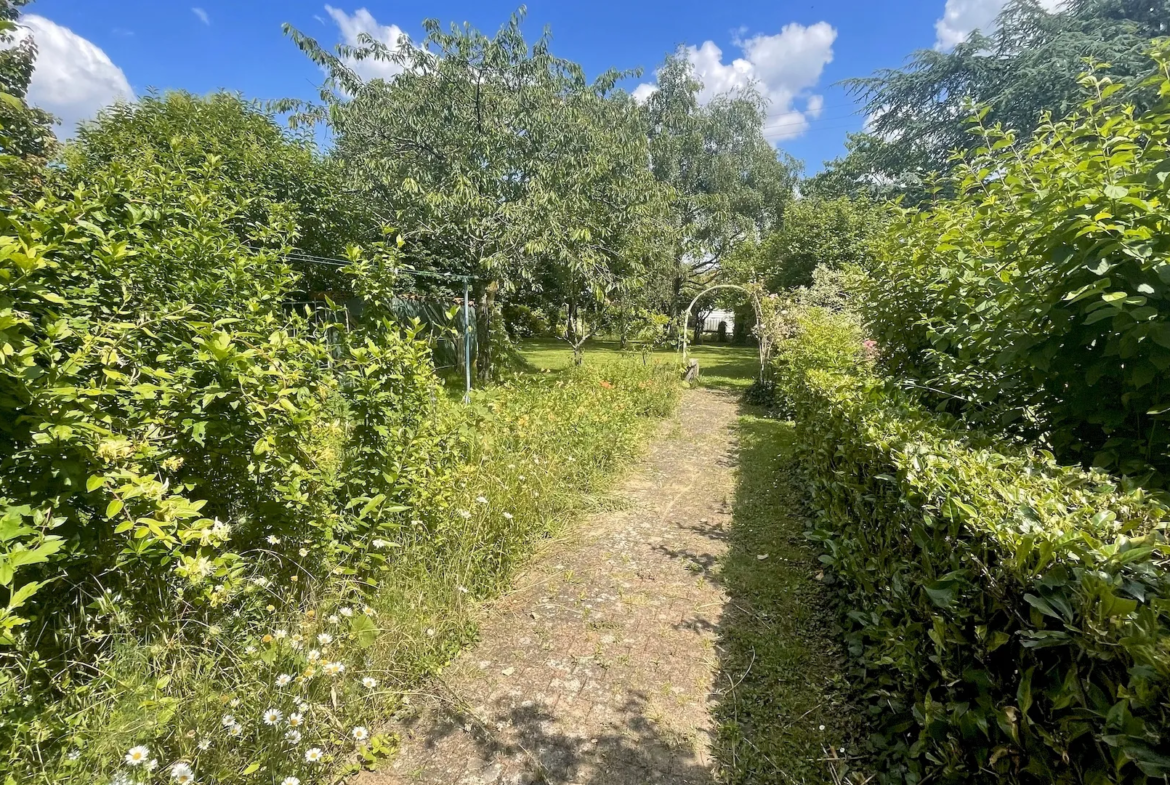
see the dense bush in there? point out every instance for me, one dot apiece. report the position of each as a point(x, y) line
point(1010, 618)
point(1038, 296)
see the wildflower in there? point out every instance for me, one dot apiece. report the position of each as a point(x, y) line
point(508, 515)
point(296, 720)
point(297, 642)
point(379, 544)
point(272, 716)
point(273, 539)
point(822, 727)
point(290, 781)
point(250, 650)
point(236, 730)
point(293, 737)
point(283, 680)
point(324, 639)
point(369, 682)
point(303, 552)
point(535, 494)
point(280, 634)
point(314, 755)
point(121, 778)
point(347, 612)
point(303, 708)
point(234, 703)
point(481, 499)
point(151, 764)
point(137, 756)
point(214, 630)
point(464, 514)
point(73, 754)
point(461, 589)
point(431, 632)
point(314, 655)
point(333, 619)
point(334, 668)
point(366, 609)
point(204, 744)
point(182, 774)
point(522, 478)
point(360, 733)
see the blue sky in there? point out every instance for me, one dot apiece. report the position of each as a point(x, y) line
point(96, 50)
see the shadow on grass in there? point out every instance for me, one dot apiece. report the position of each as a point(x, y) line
point(783, 713)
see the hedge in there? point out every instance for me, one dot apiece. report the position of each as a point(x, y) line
point(1010, 617)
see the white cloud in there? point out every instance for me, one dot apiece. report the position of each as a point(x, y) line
point(203, 17)
point(962, 17)
point(784, 67)
point(363, 21)
point(644, 91)
point(73, 77)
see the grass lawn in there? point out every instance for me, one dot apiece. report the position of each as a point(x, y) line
point(785, 716)
point(721, 365)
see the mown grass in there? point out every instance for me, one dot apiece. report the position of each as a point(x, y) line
point(785, 715)
point(723, 366)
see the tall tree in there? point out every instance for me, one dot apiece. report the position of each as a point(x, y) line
point(730, 184)
point(491, 155)
point(1026, 66)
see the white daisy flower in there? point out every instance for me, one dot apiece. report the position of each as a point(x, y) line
point(272, 716)
point(481, 499)
point(236, 730)
point(508, 515)
point(250, 650)
point(303, 552)
point(366, 609)
point(280, 634)
point(273, 539)
point(464, 514)
point(379, 543)
point(346, 611)
point(431, 633)
point(360, 733)
point(151, 764)
point(228, 720)
point(296, 720)
point(181, 773)
point(314, 755)
point(234, 703)
point(314, 655)
point(283, 680)
point(137, 756)
point(333, 619)
point(334, 668)
point(121, 778)
point(290, 781)
point(369, 682)
point(293, 737)
point(204, 744)
point(324, 639)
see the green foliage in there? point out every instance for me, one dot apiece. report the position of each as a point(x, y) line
point(815, 232)
point(1008, 616)
point(1036, 298)
point(499, 160)
point(26, 135)
point(1028, 65)
point(730, 185)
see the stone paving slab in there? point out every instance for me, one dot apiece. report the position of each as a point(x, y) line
point(599, 669)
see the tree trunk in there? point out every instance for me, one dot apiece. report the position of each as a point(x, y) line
point(484, 339)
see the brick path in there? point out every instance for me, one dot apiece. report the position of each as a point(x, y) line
point(598, 668)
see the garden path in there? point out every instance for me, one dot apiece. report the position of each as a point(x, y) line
point(598, 668)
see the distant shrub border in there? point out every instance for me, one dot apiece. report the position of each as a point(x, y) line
point(1010, 618)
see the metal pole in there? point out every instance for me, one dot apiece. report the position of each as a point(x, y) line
point(467, 338)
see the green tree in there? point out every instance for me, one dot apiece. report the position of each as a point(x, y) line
point(730, 184)
point(816, 232)
point(1028, 65)
point(498, 159)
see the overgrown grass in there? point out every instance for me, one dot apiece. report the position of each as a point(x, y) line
point(722, 365)
point(341, 650)
point(784, 716)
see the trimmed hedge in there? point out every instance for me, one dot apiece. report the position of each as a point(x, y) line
point(1010, 618)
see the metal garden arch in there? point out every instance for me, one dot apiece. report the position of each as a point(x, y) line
point(765, 343)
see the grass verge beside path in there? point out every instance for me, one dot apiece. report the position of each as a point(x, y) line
point(784, 715)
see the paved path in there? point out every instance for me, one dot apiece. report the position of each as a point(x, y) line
point(598, 668)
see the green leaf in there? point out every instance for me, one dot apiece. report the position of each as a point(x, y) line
point(1116, 191)
point(114, 507)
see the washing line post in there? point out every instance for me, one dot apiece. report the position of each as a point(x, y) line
point(467, 338)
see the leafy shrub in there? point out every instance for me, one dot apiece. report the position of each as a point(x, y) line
point(1037, 297)
point(1010, 617)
